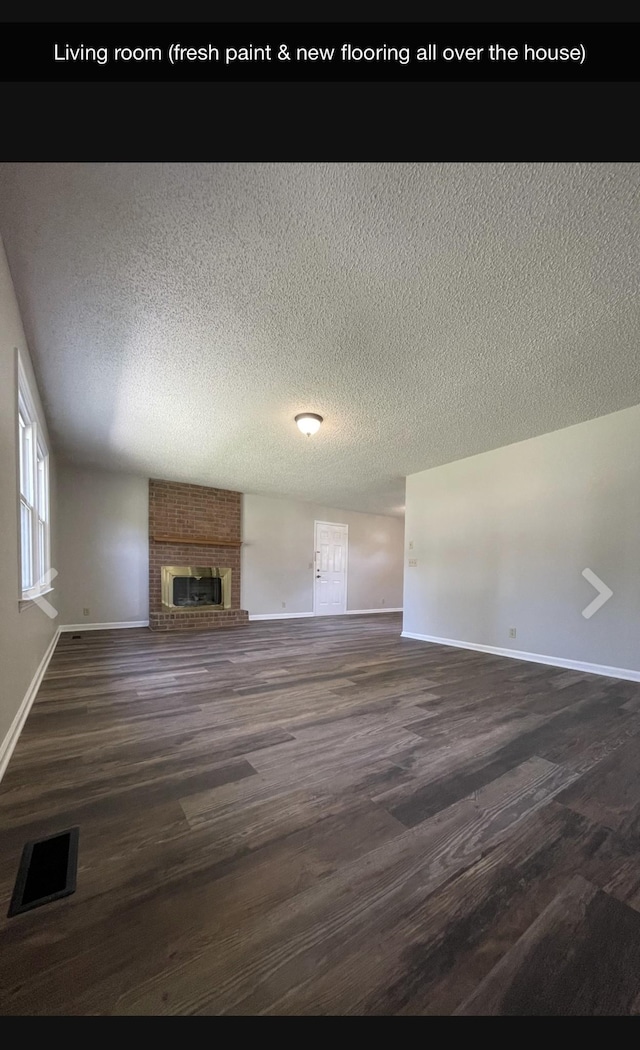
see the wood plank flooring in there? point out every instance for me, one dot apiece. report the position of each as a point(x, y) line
point(321, 817)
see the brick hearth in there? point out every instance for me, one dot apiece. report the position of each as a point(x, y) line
point(188, 511)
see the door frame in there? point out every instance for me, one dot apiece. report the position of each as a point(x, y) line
point(343, 525)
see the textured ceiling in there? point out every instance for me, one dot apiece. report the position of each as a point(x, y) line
point(179, 316)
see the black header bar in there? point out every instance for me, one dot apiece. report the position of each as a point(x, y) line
point(315, 52)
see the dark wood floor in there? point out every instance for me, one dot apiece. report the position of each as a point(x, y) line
point(320, 817)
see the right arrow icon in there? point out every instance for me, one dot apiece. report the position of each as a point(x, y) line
point(604, 593)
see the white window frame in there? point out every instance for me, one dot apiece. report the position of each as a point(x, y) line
point(33, 496)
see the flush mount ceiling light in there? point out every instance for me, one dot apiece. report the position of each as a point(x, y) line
point(309, 422)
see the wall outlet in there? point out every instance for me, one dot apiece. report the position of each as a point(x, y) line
point(512, 632)
point(382, 601)
point(310, 564)
point(85, 612)
point(284, 605)
point(410, 545)
point(412, 563)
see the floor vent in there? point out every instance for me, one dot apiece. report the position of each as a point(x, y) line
point(47, 871)
point(75, 637)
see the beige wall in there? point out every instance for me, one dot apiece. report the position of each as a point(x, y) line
point(104, 546)
point(501, 540)
point(277, 556)
point(25, 631)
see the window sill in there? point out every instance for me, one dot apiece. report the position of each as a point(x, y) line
point(24, 603)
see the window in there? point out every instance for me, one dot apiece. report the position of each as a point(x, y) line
point(34, 496)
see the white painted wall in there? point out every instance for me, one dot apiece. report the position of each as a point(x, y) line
point(501, 540)
point(104, 546)
point(277, 556)
point(26, 632)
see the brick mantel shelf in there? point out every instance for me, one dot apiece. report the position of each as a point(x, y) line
point(201, 541)
point(193, 525)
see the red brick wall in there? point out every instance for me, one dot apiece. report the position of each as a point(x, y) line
point(176, 509)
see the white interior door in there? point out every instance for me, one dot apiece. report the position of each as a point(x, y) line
point(330, 583)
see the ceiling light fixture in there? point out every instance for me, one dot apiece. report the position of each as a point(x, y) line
point(309, 422)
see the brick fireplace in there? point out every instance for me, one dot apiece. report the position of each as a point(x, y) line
point(193, 526)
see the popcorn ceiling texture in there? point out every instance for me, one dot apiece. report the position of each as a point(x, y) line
point(180, 315)
point(186, 511)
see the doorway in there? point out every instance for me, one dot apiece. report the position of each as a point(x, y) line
point(330, 568)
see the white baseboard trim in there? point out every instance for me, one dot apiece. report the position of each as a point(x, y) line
point(295, 616)
point(16, 727)
point(103, 626)
point(534, 658)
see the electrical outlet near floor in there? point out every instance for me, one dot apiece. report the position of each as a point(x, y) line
point(412, 563)
point(85, 612)
point(284, 605)
point(382, 601)
point(512, 632)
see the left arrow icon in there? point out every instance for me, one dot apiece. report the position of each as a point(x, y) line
point(604, 593)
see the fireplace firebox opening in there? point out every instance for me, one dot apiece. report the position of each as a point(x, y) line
point(196, 587)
